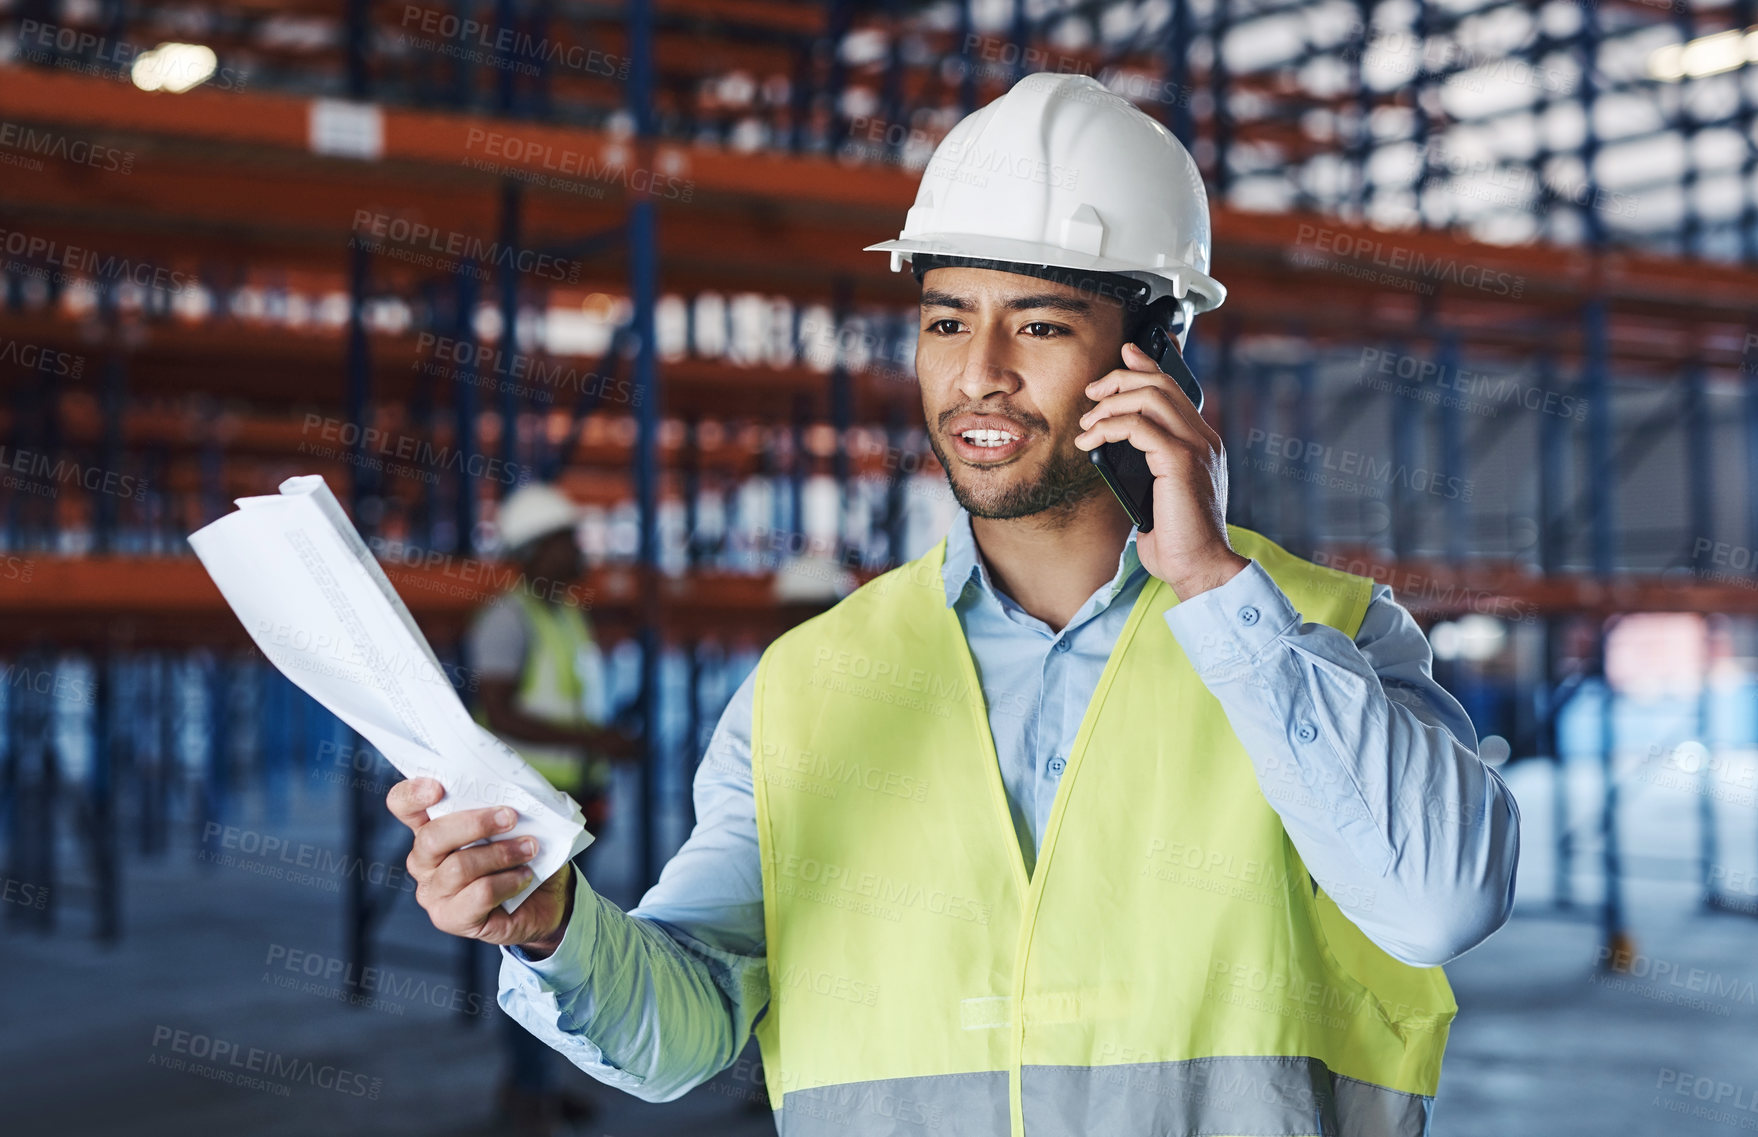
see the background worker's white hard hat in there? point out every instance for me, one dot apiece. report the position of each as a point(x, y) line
point(1060, 171)
point(534, 510)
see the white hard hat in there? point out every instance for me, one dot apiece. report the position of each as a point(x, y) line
point(534, 510)
point(1060, 171)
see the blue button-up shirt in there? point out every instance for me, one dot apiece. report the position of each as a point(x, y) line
point(1370, 764)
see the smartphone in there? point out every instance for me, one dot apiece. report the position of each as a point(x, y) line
point(1124, 468)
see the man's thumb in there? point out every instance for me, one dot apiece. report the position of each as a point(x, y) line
point(1140, 360)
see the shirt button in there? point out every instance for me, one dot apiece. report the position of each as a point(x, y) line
point(1056, 765)
point(1248, 615)
point(1306, 732)
point(1061, 645)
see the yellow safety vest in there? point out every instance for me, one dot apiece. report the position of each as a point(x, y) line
point(552, 690)
point(1168, 967)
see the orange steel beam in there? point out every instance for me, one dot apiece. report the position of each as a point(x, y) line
point(762, 181)
point(686, 46)
point(1338, 311)
point(1515, 591)
point(684, 49)
point(680, 25)
point(801, 18)
point(188, 218)
point(185, 481)
point(592, 477)
point(677, 55)
point(445, 590)
point(535, 148)
point(1670, 305)
point(606, 442)
point(141, 600)
point(270, 366)
point(190, 214)
point(282, 122)
point(1654, 283)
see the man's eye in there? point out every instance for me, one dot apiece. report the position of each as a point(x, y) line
point(938, 329)
point(1045, 331)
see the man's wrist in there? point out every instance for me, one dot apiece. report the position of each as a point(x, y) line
point(1200, 579)
point(546, 946)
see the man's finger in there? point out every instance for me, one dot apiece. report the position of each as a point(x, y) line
point(443, 836)
point(466, 865)
point(1156, 403)
point(1153, 440)
point(1147, 375)
point(409, 799)
point(475, 913)
point(482, 899)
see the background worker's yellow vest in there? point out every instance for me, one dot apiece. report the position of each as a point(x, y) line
point(1168, 968)
point(551, 689)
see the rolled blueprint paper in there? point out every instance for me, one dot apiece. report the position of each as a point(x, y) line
point(311, 595)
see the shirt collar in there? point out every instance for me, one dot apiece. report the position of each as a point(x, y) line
point(963, 564)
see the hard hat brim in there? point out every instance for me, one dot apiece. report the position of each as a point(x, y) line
point(1172, 279)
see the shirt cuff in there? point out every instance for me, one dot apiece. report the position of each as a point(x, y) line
point(571, 962)
point(1225, 629)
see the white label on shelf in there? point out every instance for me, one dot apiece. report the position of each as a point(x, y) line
point(351, 130)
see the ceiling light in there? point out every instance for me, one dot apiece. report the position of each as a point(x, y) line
point(174, 67)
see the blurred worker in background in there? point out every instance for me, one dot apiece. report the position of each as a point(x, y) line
point(1070, 826)
point(541, 688)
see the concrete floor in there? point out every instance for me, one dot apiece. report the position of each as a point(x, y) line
point(117, 1042)
point(1544, 1045)
point(1547, 1043)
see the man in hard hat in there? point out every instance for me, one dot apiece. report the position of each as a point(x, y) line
point(541, 688)
point(1069, 826)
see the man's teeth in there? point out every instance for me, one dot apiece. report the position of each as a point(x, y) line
point(989, 437)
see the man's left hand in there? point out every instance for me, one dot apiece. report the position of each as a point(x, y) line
point(1142, 405)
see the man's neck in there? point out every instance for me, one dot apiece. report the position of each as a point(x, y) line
point(1049, 564)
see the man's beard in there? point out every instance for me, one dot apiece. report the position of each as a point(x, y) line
point(1067, 480)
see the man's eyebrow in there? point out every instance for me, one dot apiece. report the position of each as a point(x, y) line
point(1055, 301)
point(934, 298)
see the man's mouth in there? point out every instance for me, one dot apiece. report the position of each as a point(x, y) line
point(986, 440)
point(989, 439)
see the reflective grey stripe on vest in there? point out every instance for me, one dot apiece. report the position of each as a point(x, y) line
point(1201, 1097)
point(1372, 1110)
point(940, 1105)
point(1222, 1097)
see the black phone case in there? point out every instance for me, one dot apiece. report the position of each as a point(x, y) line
point(1124, 468)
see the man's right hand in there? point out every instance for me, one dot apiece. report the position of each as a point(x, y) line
point(461, 889)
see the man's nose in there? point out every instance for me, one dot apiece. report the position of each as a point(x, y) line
point(987, 367)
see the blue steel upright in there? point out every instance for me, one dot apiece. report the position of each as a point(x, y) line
point(643, 294)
